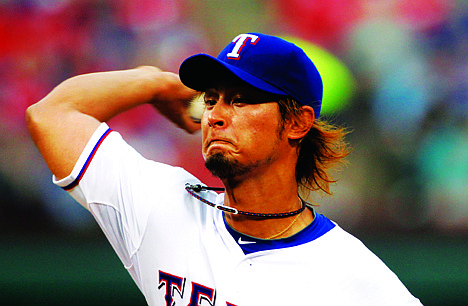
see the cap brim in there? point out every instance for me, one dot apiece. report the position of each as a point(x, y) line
point(202, 71)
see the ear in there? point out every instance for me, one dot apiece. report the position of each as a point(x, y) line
point(301, 125)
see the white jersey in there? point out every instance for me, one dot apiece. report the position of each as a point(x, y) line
point(179, 251)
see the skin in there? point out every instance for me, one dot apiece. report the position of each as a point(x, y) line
point(243, 124)
point(62, 122)
point(235, 124)
point(244, 130)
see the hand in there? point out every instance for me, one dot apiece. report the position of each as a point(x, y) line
point(173, 102)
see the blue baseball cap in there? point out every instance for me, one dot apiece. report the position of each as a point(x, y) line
point(266, 62)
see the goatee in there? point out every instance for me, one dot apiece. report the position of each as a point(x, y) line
point(225, 168)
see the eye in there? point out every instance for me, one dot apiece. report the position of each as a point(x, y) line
point(210, 102)
point(238, 101)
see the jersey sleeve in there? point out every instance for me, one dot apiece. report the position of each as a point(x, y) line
point(71, 181)
point(122, 189)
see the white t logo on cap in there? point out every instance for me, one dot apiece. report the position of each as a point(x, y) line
point(240, 41)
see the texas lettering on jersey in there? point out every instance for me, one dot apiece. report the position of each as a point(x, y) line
point(174, 285)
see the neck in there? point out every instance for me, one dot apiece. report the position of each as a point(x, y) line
point(267, 194)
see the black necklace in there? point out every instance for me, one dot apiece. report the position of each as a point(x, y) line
point(193, 189)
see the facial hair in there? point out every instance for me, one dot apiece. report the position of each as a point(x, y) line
point(226, 168)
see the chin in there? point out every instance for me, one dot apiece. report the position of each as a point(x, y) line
point(224, 167)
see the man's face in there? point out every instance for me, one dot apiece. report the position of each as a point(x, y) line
point(241, 129)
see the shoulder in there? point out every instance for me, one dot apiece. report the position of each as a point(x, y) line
point(344, 246)
point(344, 262)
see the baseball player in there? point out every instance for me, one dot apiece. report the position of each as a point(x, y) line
point(256, 243)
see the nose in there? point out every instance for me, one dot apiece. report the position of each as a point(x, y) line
point(217, 115)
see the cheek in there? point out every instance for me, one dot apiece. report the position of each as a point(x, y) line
point(266, 126)
point(263, 133)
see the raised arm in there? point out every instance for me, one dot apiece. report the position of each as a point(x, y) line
point(62, 123)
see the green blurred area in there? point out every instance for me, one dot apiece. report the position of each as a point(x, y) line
point(57, 271)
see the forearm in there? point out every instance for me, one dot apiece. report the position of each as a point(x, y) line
point(103, 95)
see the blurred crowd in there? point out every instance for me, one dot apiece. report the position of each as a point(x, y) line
point(409, 168)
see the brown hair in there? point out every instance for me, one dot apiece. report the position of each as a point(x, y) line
point(322, 149)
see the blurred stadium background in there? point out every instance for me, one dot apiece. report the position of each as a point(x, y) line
point(395, 71)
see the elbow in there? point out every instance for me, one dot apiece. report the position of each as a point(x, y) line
point(37, 117)
point(45, 110)
point(30, 116)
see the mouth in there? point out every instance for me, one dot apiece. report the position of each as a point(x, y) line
point(217, 143)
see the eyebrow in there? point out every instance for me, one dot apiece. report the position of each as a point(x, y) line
point(210, 90)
